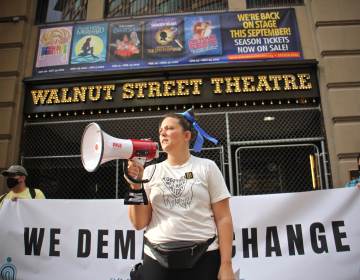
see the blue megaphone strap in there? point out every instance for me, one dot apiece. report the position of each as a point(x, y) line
point(201, 134)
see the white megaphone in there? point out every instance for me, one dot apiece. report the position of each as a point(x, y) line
point(97, 147)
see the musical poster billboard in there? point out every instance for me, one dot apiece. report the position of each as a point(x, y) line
point(125, 42)
point(169, 41)
point(266, 34)
point(203, 35)
point(89, 43)
point(54, 46)
point(164, 37)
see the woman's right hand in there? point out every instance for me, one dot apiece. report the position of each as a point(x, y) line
point(136, 171)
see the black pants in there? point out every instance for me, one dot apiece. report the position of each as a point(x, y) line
point(206, 268)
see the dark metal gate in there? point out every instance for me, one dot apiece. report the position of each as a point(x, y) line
point(260, 146)
point(278, 168)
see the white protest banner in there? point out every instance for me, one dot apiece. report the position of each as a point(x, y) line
point(68, 239)
point(296, 236)
point(309, 235)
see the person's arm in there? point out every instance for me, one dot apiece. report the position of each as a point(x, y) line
point(223, 220)
point(140, 215)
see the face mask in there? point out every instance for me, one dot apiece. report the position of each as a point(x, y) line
point(12, 182)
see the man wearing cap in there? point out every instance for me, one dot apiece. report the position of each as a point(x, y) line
point(15, 180)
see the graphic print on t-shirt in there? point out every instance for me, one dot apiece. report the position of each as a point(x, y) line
point(177, 192)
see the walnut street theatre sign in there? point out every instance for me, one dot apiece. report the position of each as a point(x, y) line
point(193, 87)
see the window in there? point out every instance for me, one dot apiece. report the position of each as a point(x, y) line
point(125, 8)
point(49, 11)
point(272, 3)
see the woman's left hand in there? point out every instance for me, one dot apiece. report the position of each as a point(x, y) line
point(226, 272)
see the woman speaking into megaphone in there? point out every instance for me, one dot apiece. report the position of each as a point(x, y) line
point(188, 223)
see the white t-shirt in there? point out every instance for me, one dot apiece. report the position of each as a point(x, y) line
point(181, 198)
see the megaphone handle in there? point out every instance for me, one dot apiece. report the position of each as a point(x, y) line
point(139, 160)
point(131, 179)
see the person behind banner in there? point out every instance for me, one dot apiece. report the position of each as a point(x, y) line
point(189, 229)
point(353, 183)
point(16, 182)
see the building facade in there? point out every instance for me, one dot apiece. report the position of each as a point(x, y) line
point(297, 135)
